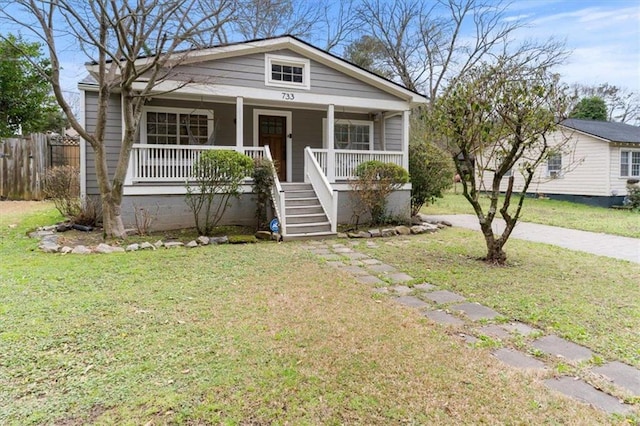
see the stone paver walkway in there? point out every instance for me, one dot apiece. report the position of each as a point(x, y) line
point(451, 310)
point(624, 248)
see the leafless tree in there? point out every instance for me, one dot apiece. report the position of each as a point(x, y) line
point(268, 18)
point(132, 46)
point(427, 43)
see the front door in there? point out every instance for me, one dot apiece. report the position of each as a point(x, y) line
point(273, 132)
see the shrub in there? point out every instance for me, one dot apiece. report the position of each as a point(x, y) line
point(375, 181)
point(263, 181)
point(431, 171)
point(62, 185)
point(218, 174)
point(633, 194)
point(90, 212)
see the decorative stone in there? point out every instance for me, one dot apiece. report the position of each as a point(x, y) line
point(263, 235)
point(399, 277)
point(66, 250)
point(133, 247)
point(442, 317)
point(104, 248)
point(117, 250)
point(518, 359)
point(411, 301)
point(49, 247)
point(446, 223)
point(519, 328)
point(63, 227)
point(173, 244)
point(158, 244)
point(375, 233)
point(416, 220)
point(202, 240)
point(361, 234)
point(402, 290)
point(424, 286)
point(219, 240)
point(146, 246)
point(81, 250)
point(191, 244)
point(40, 234)
point(622, 375)
point(369, 279)
point(342, 235)
point(402, 230)
point(495, 331)
point(388, 232)
point(381, 268)
point(476, 311)
point(557, 346)
point(418, 229)
point(584, 392)
point(444, 296)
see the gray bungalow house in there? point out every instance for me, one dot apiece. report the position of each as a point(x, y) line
point(316, 115)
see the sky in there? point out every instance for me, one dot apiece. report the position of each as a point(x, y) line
point(604, 36)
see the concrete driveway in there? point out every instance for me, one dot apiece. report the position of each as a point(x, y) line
point(624, 248)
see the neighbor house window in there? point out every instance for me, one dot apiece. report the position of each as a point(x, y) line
point(287, 71)
point(171, 127)
point(630, 163)
point(554, 165)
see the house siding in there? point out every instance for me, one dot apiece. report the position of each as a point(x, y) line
point(586, 169)
point(393, 133)
point(113, 137)
point(249, 71)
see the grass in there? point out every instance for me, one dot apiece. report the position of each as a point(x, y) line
point(251, 334)
point(556, 213)
point(590, 300)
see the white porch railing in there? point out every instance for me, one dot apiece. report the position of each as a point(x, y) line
point(172, 163)
point(277, 195)
point(318, 179)
point(346, 161)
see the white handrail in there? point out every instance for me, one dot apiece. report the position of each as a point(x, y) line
point(277, 195)
point(346, 161)
point(326, 195)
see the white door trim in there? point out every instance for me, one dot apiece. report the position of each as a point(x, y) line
point(289, 140)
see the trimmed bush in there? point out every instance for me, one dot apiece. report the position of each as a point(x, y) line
point(431, 171)
point(217, 174)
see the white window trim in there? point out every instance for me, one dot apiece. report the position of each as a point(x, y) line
point(143, 120)
point(630, 151)
point(287, 60)
point(347, 121)
point(554, 173)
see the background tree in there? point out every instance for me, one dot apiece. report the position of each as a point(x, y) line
point(622, 104)
point(426, 46)
point(592, 108)
point(494, 118)
point(369, 53)
point(26, 103)
point(268, 18)
point(115, 35)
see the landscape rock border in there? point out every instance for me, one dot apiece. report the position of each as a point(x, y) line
point(49, 238)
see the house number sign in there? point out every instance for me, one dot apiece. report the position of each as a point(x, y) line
point(288, 96)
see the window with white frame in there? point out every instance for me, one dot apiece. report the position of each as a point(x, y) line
point(352, 134)
point(630, 163)
point(554, 165)
point(287, 71)
point(163, 126)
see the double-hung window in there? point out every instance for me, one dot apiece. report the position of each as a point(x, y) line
point(630, 164)
point(353, 134)
point(287, 71)
point(173, 127)
point(554, 165)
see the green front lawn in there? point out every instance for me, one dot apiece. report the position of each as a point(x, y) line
point(556, 213)
point(268, 334)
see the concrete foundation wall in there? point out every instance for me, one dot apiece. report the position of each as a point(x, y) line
point(172, 212)
point(398, 207)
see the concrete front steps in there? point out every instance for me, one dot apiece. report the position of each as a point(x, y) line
point(304, 216)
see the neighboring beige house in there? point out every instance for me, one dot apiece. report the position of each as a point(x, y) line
point(593, 169)
point(316, 115)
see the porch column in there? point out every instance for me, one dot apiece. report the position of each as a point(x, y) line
point(239, 123)
point(405, 139)
point(331, 155)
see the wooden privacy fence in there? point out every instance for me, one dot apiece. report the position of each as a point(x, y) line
point(24, 162)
